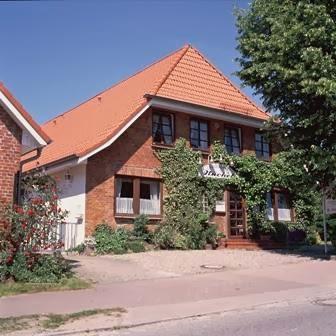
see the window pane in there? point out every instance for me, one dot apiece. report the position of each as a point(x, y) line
point(234, 133)
point(258, 137)
point(203, 126)
point(235, 150)
point(194, 134)
point(166, 120)
point(150, 197)
point(282, 201)
point(265, 148)
point(166, 130)
point(204, 136)
point(231, 140)
point(266, 156)
point(258, 146)
point(235, 142)
point(194, 143)
point(204, 145)
point(194, 124)
point(145, 190)
point(126, 189)
point(162, 129)
point(168, 139)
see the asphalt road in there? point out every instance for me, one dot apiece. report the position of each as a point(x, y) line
point(308, 319)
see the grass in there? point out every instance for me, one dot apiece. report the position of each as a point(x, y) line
point(9, 324)
point(52, 321)
point(15, 288)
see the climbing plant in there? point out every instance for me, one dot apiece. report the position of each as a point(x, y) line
point(185, 223)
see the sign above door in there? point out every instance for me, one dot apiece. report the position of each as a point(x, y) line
point(216, 170)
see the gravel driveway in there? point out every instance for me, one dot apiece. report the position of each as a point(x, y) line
point(160, 264)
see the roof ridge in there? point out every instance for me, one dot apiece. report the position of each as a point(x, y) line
point(118, 83)
point(187, 47)
point(228, 80)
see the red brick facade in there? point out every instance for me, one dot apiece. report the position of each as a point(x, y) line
point(10, 153)
point(133, 155)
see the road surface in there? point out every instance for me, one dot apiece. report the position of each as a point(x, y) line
point(304, 319)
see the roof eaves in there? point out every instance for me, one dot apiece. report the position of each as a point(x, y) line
point(24, 113)
point(84, 155)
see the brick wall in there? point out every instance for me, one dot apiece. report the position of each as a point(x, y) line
point(10, 153)
point(133, 154)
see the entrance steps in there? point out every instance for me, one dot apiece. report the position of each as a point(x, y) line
point(249, 244)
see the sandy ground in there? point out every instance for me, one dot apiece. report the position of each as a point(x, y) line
point(162, 264)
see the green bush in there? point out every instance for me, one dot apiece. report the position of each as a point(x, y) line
point(163, 237)
point(195, 234)
point(279, 232)
point(109, 240)
point(19, 269)
point(79, 248)
point(140, 228)
point(136, 246)
point(39, 269)
point(51, 268)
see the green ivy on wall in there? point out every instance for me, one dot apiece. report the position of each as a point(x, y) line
point(185, 223)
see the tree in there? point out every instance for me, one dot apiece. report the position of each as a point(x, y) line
point(288, 55)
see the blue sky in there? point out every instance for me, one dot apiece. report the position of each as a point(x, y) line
point(56, 54)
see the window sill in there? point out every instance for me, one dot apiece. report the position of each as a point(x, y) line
point(202, 151)
point(162, 146)
point(132, 216)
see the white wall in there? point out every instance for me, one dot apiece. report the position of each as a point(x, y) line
point(72, 198)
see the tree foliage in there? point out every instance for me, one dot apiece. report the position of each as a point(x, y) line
point(288, 55)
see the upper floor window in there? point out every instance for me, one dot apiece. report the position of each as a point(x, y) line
point(262, 146)
point(232, 140)
point(199, 136)
point(162, 129)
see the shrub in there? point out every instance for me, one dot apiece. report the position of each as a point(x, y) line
point(279, 232)
point(136, 246)
point(109, 240)
point(30, 228)
point(79, 248)
point(140, 228)
point(196, 233)
point(39, 268)
point(51, 268)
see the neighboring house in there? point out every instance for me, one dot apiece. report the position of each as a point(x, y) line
point(19, 134)
point(102, 151)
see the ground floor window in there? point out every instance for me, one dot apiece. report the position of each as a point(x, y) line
point(278, 206)
point(138, 196)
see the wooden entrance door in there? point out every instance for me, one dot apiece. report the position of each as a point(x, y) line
point(236, 216)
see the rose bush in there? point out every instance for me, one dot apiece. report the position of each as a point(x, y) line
point(31, 227)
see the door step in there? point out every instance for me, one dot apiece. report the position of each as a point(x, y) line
point(249, 244)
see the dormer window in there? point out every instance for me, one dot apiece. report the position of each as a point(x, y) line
point(162, 129)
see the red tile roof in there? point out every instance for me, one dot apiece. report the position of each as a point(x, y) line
point(24, 113)
point(184, 75)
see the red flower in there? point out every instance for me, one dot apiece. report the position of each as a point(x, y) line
point(19, 210)
point(30, 212)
